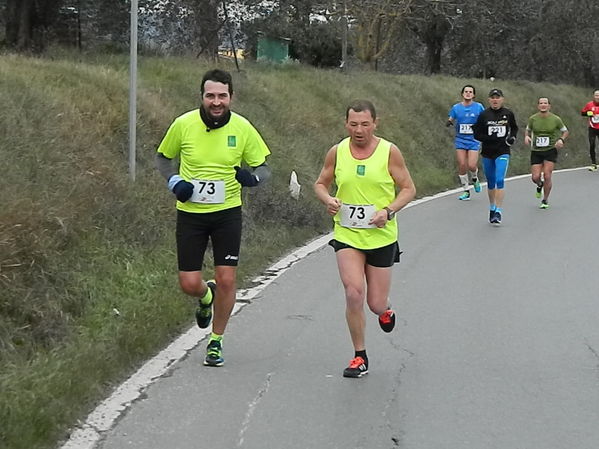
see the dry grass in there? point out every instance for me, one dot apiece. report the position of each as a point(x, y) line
point(78, 240)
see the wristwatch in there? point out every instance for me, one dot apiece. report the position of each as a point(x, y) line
point(390, 213)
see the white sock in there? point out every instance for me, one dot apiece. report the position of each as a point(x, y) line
point(474, 175)
point(464, 181)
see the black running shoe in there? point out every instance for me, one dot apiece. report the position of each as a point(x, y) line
point(491, 216)
point(357, 368)
point(387, 320)
point(214, 354)
point(204, 311)
point(497, 218)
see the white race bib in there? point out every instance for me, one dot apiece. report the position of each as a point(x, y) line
point(466, 128)
point(595, 119)
point(357, 216)
point(208, 192)
point(500, 130)
point(542, 142)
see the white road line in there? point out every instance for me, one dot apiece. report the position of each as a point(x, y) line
point(88, 434)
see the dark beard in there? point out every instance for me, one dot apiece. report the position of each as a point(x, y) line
point(214, 122)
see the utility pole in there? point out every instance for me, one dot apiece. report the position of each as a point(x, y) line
point(344, 38)
point(133, 90)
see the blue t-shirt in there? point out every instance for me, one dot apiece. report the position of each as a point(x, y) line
point(464, 117)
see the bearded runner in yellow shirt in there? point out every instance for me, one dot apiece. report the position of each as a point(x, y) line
point(211, 143)
point(367, 171)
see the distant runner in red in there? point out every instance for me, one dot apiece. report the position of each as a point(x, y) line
point(591, 110)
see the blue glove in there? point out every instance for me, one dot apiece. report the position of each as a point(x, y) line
point(510, 140)
point(245, 177)
point(181, 188)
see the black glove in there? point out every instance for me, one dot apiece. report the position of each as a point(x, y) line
point(183, 190)
point(449, 123)
point(510, 140)
point(245, 177)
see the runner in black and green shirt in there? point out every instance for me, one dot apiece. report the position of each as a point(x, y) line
point(546, 133)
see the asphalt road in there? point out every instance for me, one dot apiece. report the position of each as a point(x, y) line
point(496, 347)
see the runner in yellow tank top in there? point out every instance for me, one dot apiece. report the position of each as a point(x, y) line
point(367, 171)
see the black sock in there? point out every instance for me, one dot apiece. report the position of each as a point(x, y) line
point(363, 355)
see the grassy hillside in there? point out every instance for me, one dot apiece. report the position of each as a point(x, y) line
point(79, 240)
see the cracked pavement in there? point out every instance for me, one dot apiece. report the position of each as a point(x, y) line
point(495, 345)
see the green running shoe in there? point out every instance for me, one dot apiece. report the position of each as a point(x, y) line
point(544, 205)
point(204, 311)
point(539, 190)
point(214, 354)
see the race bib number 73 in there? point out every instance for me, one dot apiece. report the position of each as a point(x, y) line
point(208, 191)
point(357, 216)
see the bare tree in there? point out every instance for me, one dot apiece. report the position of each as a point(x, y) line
point(207, 25)
point(431, 21)
point(27, 22)
point(374, 25)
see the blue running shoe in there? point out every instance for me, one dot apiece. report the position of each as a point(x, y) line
point(477, 187)
point(464, 196)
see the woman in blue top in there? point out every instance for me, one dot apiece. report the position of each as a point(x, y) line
point(462, 116)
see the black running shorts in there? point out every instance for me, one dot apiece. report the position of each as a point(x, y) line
point(223, 228)
point(538, 157)
point(382, 257)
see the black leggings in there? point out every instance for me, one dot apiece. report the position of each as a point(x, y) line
point(593, 133)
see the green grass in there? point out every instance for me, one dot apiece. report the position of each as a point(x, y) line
point(79, 240)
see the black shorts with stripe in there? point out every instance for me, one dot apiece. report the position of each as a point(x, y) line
point(223, 228)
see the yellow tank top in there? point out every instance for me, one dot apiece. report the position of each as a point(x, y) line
point(364, 182)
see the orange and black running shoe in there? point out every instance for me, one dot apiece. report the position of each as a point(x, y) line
point(387, 320)
point(357, 368)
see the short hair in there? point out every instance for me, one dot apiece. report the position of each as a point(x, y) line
point(359, 106)
point(469, 85)
point(218, 76)
point(546, 98)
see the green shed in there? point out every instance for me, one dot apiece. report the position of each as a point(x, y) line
point(272, 48)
